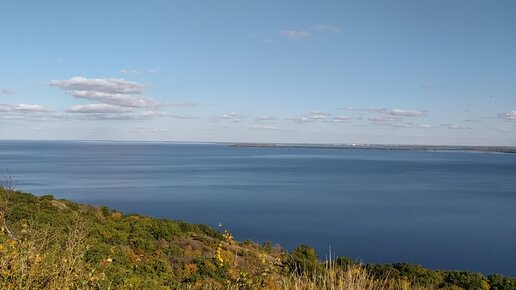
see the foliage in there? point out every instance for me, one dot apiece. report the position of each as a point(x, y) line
point(58, 244)
point(465, 280)
point(404, 271)
point(303, 259)
point(499, 282)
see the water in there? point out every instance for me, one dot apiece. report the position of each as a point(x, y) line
point(443, 210)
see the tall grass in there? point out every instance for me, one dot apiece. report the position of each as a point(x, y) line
point(354, 277)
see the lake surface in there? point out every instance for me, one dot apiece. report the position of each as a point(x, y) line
point(443, 210)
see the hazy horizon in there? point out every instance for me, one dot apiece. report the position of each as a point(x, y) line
point(243, 142)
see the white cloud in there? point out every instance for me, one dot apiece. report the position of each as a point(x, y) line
point(144, 115)
point(80, 112)
point(233, 116)
point(23, 108)
point(296, 34)
point(318, 115)
point(25, 111)
point(30, 108)
point(115, 86)
point(230, 115)
point(98, 108)
point(311, 117)
point(407, 113)
point(109, 91)
point(510, 116)
point(118, 99)
point(265, 118)
point(110, 112)
point(5, 91)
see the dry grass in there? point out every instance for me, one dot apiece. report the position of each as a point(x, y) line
point(39, 260)
point(332, 279)
point(355, 277)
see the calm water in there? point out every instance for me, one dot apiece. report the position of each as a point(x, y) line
point(451, 210)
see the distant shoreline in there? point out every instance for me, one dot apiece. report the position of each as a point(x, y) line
point(493, 149)
point(361, 146)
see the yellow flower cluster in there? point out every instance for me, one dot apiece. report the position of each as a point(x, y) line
point(227, 239)
point(218, 254)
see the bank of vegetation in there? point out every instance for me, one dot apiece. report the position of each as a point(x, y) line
point(47, 243)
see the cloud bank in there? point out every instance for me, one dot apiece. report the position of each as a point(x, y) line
point(116, 99)
point(117, 92)
point(98, 109)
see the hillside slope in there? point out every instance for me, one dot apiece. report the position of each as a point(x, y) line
point(47, 244)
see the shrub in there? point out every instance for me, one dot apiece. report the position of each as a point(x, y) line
point(466, 280)
point(344, 263)
point(499, 282)
point(303, 259)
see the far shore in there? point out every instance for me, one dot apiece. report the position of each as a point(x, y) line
point(495, 149)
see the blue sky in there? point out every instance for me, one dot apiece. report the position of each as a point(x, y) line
point(398, 72)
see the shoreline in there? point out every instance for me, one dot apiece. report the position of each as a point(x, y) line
point(430, 148)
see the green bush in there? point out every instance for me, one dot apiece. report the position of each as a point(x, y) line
point(344, 263)
point(419, 275)
point(466, 280)
point(499, 282)
point(303, 259)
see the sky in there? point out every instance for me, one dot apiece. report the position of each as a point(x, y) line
point(381, 72)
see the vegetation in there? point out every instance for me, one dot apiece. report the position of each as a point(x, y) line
point(47, 243)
